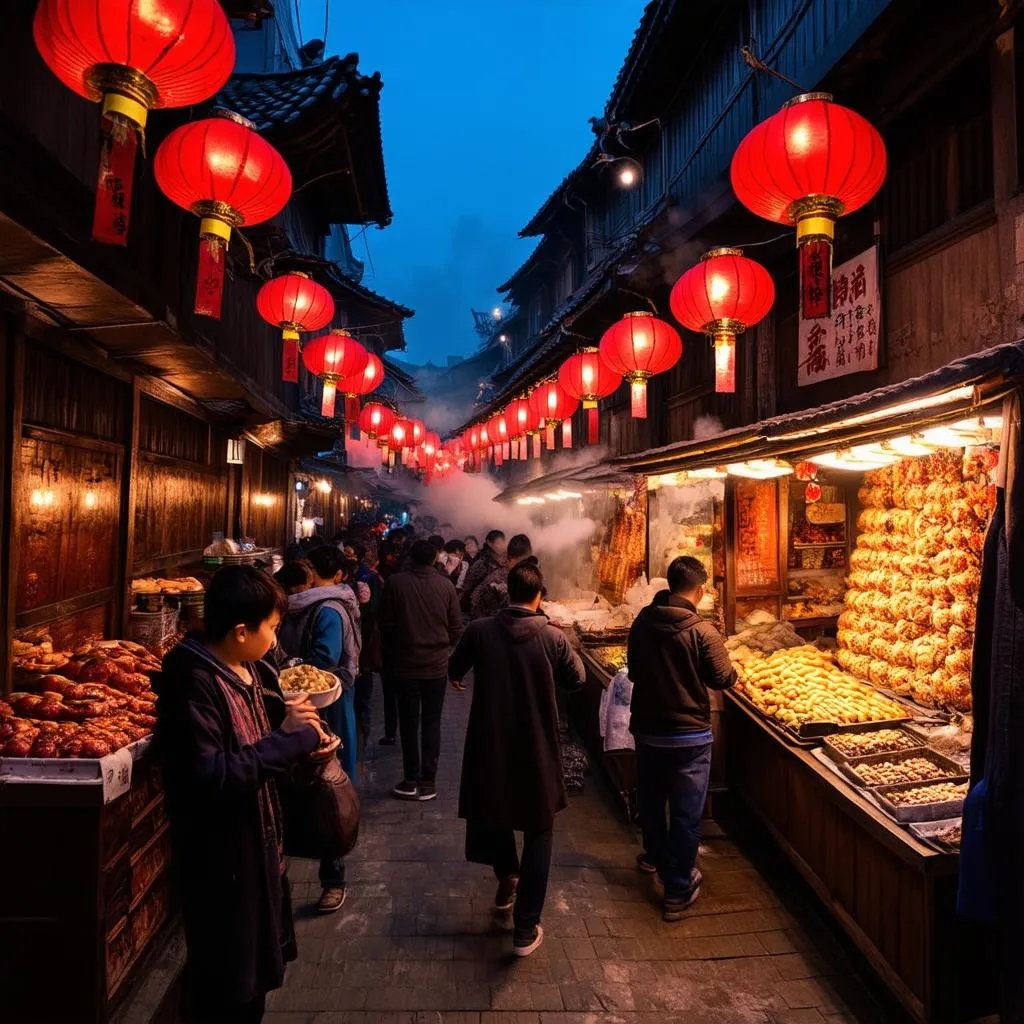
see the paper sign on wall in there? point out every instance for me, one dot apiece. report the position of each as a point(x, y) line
point(846, 342)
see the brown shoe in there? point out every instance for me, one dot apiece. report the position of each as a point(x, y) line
point(332, 899)
point(505, 897)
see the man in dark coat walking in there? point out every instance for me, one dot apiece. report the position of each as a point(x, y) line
point(512, 765)
point(420, 621)
point(674, 658)
point(491, 557)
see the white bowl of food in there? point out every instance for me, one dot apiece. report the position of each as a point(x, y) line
point(321, 687)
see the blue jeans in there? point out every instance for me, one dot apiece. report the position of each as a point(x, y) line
point(678, 777)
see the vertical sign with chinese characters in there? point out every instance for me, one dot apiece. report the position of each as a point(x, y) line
point(846, 342)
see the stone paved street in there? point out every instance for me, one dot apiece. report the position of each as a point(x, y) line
point(417, 940)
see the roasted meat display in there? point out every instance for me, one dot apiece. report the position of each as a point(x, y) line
point(97, 701)
point(908, 618)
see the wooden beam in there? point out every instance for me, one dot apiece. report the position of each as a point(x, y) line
point(12, 340)
point(126, 531)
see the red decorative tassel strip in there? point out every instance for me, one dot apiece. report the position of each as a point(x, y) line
point(210, 279)
point(114, 182)
point(352, 408)
point(290, 361)
point(593, 429)
point(327, 402)
point(638, 397)
point(816, 278)
point(550, 437)
point(566, 433)
point(536, 445)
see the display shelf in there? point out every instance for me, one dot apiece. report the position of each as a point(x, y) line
point(821, 544)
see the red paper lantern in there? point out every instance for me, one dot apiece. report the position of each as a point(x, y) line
point(224, 172)
point(376, 421)
point(294, 302)
point(639, 346)
point(555, 405)
point(522, 421)
point(808, 165)
point(587, 377)
point(133, 58)
point(812, 492)
point(722, 296)
point(373, 375)
point(805, 471)
point(497, 433)
point(333, 358)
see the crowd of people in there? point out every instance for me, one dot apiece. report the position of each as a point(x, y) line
point(423, 615)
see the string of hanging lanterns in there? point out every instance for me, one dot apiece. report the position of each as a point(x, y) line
point(295, 303)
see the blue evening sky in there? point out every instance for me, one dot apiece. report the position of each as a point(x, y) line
point(484, 111)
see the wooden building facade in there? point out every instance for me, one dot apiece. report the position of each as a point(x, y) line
point(943, 85)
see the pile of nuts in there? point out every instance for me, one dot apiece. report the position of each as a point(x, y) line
point(936, 793)
point(877, 741)
point(908, 769)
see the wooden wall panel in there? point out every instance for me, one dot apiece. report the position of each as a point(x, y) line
point(178, 508)
point(69, 507)
point(164, 430)
point(67, 395)
point(70, 631)
point(264, 477)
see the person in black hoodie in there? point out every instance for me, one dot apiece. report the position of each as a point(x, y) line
point(224, 734)
point(492, 594)
point(491, 557)
point(512, 765)
point(674, 658)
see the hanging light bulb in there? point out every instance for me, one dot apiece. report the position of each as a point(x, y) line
point(910, 446)
point(759, 469)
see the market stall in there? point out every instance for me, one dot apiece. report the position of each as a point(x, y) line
point(120, 509)
point(852, 573)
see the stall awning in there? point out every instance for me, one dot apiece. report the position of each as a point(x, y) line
point(594, 474)
point(952, 390)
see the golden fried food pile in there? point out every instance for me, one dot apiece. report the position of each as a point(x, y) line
point(936, 793)
point(307, 679)
point(916, 768)
point(908, 622)
point(803, 684)
point(878, 741)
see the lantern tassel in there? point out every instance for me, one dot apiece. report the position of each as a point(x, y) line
point(352, 408)
point(112, 211)
point(725, 363)
point(638, 399)
point(593, 426)
point(383, 456)
point(506, 450)
point(210, 278)
point(327, 402)
point(290, 356)
point(816, 278)
point(550, 436)
point(566, 433)
point(536, 446)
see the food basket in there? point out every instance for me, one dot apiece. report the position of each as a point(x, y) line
point(917, 812)
point(933, 833)
point(913, 741)
point(945, 769)
point(319, 698)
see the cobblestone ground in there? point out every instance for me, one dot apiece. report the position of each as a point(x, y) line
point(417, 941)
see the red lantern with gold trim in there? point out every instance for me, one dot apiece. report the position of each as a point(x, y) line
point(224, 172)
point(333, 358)
point(133, 58)
point(295, 303)
point(373, 375)
point(522, 421)
point(722, 296)
point(808, 165)
point(554, 405)
point(639, 346)
point(587, 377)
point(376, 421)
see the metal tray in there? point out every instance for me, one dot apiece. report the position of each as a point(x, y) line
point(917, 812)
point(928, 832)
point(951, 768)
point(791, 736)
point(840, 758)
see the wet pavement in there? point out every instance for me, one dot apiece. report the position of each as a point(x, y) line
point(418, 941)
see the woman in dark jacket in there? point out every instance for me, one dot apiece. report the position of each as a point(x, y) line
point(223, 735)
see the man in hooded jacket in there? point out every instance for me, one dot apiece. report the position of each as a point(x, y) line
point(492, 594)
point(322, 627)
point(491, 557)
point(675, 657)
point(512, 765)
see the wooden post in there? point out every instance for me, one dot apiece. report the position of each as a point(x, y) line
point(12, 353)
point(129, 486)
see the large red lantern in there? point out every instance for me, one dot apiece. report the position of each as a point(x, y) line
point(294, 302)
point(497, 432)
point(373, 375)
point(808, 165)
point(376, 421)
point(522, 421)
point(639, 346)
point(398, 437)
point(722, 296)
point(132, 57)
point(224, 172)
point(555, 405)
point(333, 358)
point(587, 377)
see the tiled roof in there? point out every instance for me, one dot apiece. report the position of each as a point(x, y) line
point(327, 117)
